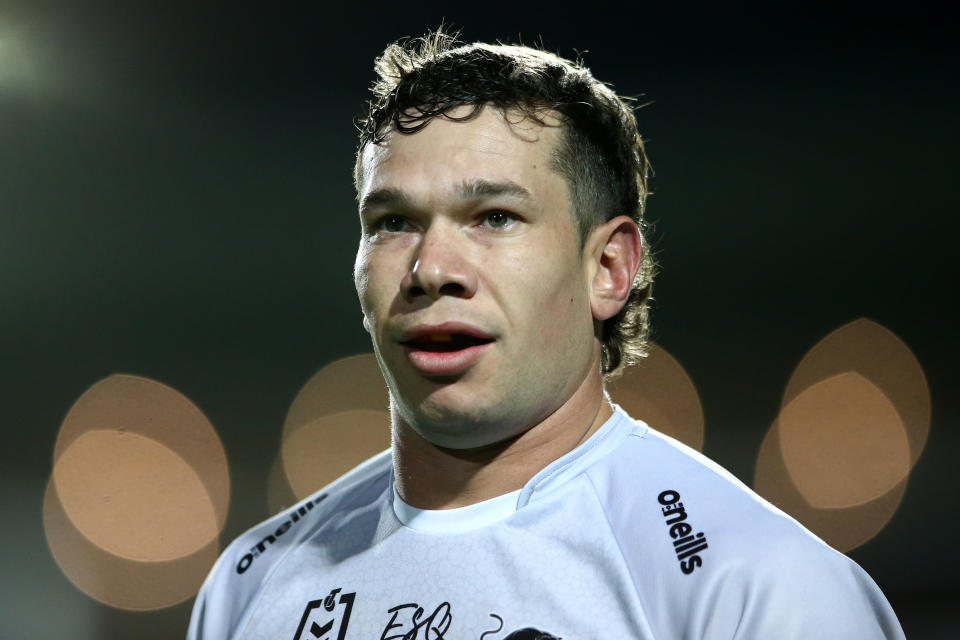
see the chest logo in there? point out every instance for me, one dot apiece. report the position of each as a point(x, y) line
point(326, 618)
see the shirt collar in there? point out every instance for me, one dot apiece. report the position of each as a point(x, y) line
point(610, 434)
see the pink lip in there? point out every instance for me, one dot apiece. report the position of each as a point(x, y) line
point(444, 363)
point(425, 330)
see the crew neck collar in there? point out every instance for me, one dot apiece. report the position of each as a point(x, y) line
point(459, 520)
point(487, 512)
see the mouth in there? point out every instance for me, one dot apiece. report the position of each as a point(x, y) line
point(445, 342)
point(442, 352)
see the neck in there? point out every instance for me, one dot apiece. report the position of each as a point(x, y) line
point(433, 477)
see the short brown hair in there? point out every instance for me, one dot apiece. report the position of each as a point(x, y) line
point(600, 152)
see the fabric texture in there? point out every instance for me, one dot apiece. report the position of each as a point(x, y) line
point(630, 535)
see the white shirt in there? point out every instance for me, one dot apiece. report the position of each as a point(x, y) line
point(630, 535)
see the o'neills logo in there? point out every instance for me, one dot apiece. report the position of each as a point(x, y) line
point(261, 546)
point(686, 544)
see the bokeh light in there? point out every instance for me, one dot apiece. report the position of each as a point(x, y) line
point(881, 357)
point(16, 61)
point(134, 404)
point(338, 419)
point(31, 64)
point(134, 497)
point(138, 494)
point(842, 529)
point(843, 442)
point(121, 582)
point(854, 418)
point(323, 450)
point(660, 392)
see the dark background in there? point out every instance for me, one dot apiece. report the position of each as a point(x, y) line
point(176, 202)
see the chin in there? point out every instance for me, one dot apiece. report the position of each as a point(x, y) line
point(457, 426)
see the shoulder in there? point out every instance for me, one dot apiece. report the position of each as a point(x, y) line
point(712, 559)
point(242, 568)
point(654, 483)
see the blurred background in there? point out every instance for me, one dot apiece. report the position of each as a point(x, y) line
point(181, 353)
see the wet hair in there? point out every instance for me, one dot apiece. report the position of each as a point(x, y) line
point(599, 153)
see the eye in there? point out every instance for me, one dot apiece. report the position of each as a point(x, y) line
point(498, 219)
point(391, 224)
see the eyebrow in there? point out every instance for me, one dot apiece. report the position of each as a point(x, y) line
point(476, 189)
point(466, 190)
point(386, 196)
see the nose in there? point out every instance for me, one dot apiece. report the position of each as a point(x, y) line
point(441, 268)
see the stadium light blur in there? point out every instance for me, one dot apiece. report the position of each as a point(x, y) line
point(660, 391)
point(853, 421)
point(138, 494)
point(338, 419)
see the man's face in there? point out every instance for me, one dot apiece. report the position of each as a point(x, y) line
point(470, 278)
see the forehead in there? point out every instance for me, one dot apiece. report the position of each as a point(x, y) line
point(494, 145)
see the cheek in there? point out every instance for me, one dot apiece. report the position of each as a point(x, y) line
point(560, 319)
point(546, 279)
point(361, 270)
point(361, 281)
point(374, 278)
point(556, 304)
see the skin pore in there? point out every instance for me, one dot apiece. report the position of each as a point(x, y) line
point(467, 222)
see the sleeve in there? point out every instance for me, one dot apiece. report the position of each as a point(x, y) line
point(758, 575)
point(240, 572)
point(796, 589)
point(198, 627)
point(219, 602)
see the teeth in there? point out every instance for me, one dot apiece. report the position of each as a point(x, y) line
point(441, 337)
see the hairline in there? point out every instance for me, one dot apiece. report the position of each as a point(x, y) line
point(557, 156)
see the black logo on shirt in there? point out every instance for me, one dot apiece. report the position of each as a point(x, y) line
point(411, 622)
point(407, 622)
point(327, 618)
point(686, 544)
point(527, 633)
point(261, 546)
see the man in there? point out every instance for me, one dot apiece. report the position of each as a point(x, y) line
point(503, 275)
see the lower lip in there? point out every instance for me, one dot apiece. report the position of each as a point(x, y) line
point(445, 363)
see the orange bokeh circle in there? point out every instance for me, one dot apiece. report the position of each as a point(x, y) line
point(660, 392)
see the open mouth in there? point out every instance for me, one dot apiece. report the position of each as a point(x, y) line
point(445, 342)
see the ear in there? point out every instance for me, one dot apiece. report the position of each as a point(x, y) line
point(615, 249)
